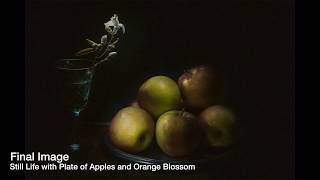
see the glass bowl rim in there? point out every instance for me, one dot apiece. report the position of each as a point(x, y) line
point(92, 65)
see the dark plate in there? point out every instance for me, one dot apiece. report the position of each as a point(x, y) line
point(154, 155)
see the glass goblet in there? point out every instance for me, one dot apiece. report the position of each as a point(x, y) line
point(74, 84)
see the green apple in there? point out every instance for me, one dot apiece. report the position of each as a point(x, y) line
point(159, 94)
point(178, 133)
point(132, 129)
point(218, 123)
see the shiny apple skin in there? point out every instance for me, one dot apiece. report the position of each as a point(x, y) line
point(158, 95)
point(219, 125)
point(178, 133)
point(200, 87)
point(132, 129)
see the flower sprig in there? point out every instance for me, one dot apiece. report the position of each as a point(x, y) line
point(103, 51)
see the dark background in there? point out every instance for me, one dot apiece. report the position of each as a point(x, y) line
point(251, 42)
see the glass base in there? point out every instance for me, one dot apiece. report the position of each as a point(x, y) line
point(76, 113)
point(74, 147)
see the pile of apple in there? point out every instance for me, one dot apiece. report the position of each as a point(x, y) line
point(166, 109)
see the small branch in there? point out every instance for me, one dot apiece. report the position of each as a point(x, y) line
point(110, 46)
point(99, 50)
point(104, 52)
point(85, 52)
point(111, 38)
point(106, 59)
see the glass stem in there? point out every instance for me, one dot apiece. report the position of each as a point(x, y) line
point(76, 114)
point(75, 144)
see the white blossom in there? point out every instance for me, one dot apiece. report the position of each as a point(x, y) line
point(115, 24)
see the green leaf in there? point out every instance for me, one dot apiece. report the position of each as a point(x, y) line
point(92, 43)
point(85, 52)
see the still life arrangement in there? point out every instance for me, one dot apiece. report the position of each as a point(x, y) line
point(179, 116)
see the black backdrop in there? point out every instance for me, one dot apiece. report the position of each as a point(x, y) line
point(250, 41)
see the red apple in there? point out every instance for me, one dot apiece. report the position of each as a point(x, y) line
point(200, 87)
